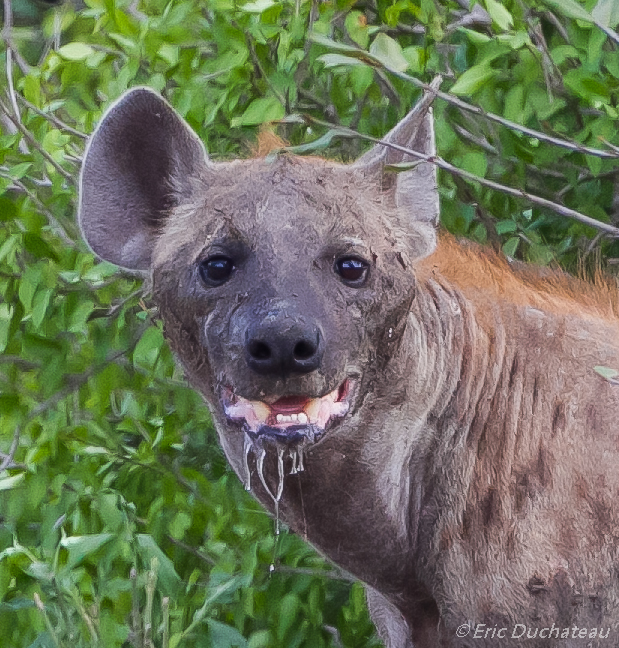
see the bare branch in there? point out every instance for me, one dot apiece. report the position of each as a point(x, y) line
point(371, 60)
point(32, 141)
point(52, 118)
point(450, 168)
point(7, 459)
point(55, 224)
point(542, 137)
point(6, 36)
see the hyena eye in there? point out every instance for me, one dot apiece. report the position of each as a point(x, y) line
point(352, 270)
point(216, 270)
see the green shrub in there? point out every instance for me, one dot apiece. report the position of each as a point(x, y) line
point(120, 522)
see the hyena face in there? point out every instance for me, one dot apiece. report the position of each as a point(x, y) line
point(284, 282)
point(456, 436)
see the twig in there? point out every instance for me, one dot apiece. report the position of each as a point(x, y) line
point(258, 68)
point(55, 224)
point(450, 168)
point(48, 623)
point(335, 635)
point(24, 365)
point(332, 574)
point(77, 380)
point(373, 61)
point(136, 626)
point(7, 459)
point(32, 141)
point(52, 118)
point(482, 142)
point(86, 618)
point(542, 137)
point(557, 24)
point(151, 581)
point(6, 36)
point(165, 606)
point(192, 550)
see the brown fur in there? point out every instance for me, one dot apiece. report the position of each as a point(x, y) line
point(474, 476)
point(473, 268)
point(267, 142)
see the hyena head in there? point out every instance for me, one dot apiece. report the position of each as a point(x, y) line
point(284, 282)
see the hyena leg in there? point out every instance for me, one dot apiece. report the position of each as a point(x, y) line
point(389, 622)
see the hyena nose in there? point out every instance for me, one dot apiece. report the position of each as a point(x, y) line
point(279, 348)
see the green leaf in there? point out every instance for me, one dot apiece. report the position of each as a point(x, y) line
point(80, 547)
point(166, 573)
point(595, 164)
point(80, 316)
point(18, 171)
point(148, 348)
point(570, 8)
point(6, 315)
point(179, 525)
point(510, 246)
point(339, 60)
point(39, 306)
point(499, 14)
point(474, 37)
point(505, 226)
point(39, 246)
point(606, 12)
point(357, 26)
point(606, 372)
point(473, 79)
point(318, 144)
point(11, 482)
point(288, 609)
point(262, 110)
point(319, 39)
point(225, 636)
point(260, 639)
point(389, 52)
point(258, 6)
point(75, 51)
point(475, 162)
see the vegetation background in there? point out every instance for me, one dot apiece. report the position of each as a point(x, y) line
point(120, 523)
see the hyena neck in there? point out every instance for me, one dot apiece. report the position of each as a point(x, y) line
point(452, 349)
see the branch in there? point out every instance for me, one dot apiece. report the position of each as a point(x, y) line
point(6, 35)
point(371, 60)
point(7, 459)
point(55, 224)
point(342, 131)
point(52, 118)
point(32, 141)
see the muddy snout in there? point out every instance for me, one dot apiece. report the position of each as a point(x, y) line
point(283, 343)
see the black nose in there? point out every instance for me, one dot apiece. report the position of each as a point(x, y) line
point(282, 345)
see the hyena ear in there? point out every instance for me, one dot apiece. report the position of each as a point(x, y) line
point(416, 192)
point(138, 163)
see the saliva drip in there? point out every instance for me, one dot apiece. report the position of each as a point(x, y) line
point(296, 455)
point(247, 448)
point(255, 446)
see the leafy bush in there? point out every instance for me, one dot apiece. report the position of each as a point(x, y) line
point(120, 523)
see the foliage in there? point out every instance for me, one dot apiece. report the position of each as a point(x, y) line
point(120, 523)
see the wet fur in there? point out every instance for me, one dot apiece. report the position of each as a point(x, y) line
point(475, 478)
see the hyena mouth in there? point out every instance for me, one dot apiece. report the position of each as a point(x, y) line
point(290, 419)
point(288, 424)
